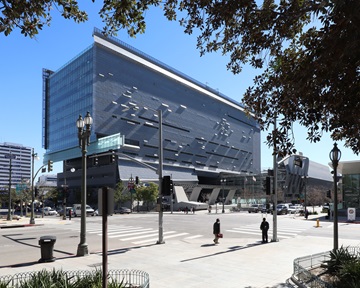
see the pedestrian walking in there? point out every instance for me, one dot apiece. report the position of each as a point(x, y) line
point(264, 226)
point(216, 231)
point(306, 214)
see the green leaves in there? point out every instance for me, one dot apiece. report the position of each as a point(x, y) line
point(307, 50)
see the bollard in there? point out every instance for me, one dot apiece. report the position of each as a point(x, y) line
point(317, 223)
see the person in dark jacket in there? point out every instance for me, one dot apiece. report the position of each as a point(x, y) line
point(264, 226)
point(216, 230)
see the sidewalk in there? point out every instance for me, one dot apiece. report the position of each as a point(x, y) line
point(236, 262)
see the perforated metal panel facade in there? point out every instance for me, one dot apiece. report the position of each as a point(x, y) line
point(204, 132)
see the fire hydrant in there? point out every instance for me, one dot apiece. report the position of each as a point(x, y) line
point(317, 223)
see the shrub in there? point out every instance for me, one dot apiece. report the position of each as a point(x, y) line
point(60, 279)
point(337, 258)
point(349, 275)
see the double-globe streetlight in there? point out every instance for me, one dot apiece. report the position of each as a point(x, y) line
point(335, 155)
point(84, 131)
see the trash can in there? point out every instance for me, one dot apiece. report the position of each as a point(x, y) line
point(47, 246)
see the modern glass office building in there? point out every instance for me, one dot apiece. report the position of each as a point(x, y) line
point(206, 135)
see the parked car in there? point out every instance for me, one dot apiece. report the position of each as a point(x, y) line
point(49, 211)
point(77, 210)
point(255, 208)
point(122, 210)
point(61, 212)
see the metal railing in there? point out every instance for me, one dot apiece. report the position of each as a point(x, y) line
point(303, 267)
point(129, 278)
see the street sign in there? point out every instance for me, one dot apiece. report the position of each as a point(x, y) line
point(20, 187)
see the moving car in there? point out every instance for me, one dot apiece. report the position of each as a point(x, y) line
point(61, 212)
point(77, 210)
point(255, 208)
point(267, 208)
point(122, 210)
point(49, 211)
point(281, 209)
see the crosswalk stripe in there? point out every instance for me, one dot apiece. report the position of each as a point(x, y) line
point(129, 234)
point(154, 239)
point(130, 231)
point(194, 237)
point(144, 236)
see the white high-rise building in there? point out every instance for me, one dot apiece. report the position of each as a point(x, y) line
point(15, 161)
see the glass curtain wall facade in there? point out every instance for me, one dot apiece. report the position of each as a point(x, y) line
point(67, 93)
point(350, 190)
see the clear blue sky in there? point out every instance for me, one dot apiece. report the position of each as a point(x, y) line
point(23, 59)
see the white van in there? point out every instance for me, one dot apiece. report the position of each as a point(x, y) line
point(77, 210)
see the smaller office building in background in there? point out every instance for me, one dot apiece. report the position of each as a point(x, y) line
point(349, 185)
point(15, 164)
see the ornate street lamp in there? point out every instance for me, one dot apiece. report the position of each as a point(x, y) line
point(84, 131)
point(335, 155)
point(223, 182)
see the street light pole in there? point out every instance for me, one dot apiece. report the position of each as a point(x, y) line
point(10, 156)
point(160, 172)
point(84, 131)
point(335, 155)
point(223, 181)
point(33, 156)
point(275, 184)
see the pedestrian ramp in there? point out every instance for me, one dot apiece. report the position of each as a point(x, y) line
point(137, 234)
point(283, 232)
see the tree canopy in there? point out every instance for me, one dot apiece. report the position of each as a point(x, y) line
point(307, 52)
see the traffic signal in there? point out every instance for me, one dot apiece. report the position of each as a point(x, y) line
point(268, 185)
point(328, 194)
point(50, 165)
point(36, 192)
point(137, 181)
point(113, 157)
point(171, 187)
point(298, 162)
point(166, 186)
point(96, 161)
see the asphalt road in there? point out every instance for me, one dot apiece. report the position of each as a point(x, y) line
point(21, 245)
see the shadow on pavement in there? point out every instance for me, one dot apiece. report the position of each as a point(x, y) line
point(230, 249)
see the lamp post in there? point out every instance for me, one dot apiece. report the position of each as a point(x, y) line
point(33, 157)
point(335, 155)
point(10, 157)
point(84, 131)
point(65, 189)
point(223, 181)
point(160, 174)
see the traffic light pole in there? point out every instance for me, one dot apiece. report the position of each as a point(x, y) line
point(160, 172)
point(275, 164)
